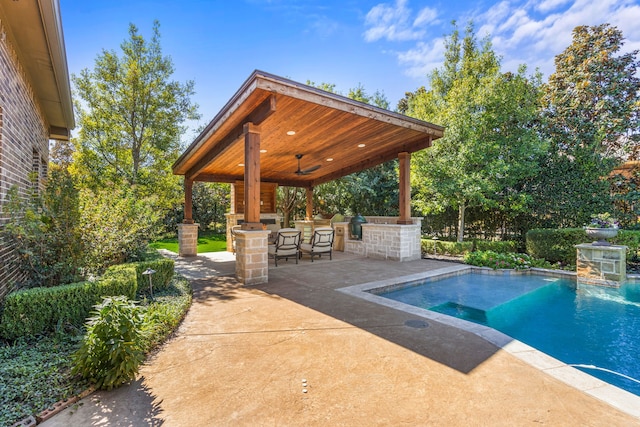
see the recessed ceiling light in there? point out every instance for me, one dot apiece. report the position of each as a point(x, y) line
point(291, 132)
point(362, 145)
point(241, 164)
point(330, 159)
point(263, 151)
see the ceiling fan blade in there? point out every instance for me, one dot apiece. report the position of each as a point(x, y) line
point(309, 170)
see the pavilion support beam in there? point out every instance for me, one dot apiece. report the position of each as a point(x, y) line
point(251, 177)
point(188, 201)
point(309, 215)
point(405, 188)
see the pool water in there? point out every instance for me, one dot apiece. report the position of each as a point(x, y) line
point(585, 325)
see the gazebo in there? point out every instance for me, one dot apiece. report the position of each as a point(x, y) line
point(255, 139)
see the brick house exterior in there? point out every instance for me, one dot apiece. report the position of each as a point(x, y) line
point(35, 103)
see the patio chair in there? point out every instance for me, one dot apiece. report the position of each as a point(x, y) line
point(287, 245)
point(234, 229)
point(321, 243)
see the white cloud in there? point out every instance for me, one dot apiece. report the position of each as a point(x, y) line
point(549, 5)
point(393, 22)
point(530, 32)
point(422, 59)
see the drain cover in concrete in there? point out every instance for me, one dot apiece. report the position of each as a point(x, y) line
point(415, 323)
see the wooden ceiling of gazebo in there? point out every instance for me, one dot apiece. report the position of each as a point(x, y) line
point(340, 135)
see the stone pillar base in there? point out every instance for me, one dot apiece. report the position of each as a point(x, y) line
point(188, 239)
point(601, 265)
point(252, 263)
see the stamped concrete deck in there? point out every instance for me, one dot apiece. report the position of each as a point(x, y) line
point(297, 352)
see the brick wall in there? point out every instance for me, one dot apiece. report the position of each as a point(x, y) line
point(24, 145)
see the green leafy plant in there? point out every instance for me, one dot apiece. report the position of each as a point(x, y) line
point(497, 260)
point(111, 351)
point(603, 220)
point(35, 374)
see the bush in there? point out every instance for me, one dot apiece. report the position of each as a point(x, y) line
point(111, 351)
point(166, 311)
point(501, 246)
point(558, 245)
point(555, 245)
point(497, 260)
point(116, 227)
point(431, 246)
point(43, 230)
point(35, 311)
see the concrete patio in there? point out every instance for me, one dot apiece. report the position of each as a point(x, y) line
point(297, 352)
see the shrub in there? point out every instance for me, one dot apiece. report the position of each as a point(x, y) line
point(111, 351)
point(166, 311)
point(496, 245)
point(35, 311)
point(558, 245)
point(116, 226)
point(431, 246)
point(497, 260)
point(43, 230)
point(555, 245)
point(161, 279)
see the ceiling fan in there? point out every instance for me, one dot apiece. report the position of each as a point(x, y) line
point(305, 171)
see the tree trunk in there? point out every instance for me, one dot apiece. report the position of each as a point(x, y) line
point(461, 209)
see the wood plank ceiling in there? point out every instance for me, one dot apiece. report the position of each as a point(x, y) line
point(340, 135)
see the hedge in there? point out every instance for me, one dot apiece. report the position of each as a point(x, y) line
point(457, 248)
point(500, 246)
point(163, 267)
point(35, 311)
point(445, 247)
point(558, 245)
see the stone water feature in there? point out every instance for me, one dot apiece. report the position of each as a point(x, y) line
point(602, 265)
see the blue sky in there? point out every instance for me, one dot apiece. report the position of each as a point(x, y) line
point(388, 46)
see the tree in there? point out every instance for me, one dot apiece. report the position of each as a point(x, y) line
point(489, 143)
point(131, 117)
point(590, 116)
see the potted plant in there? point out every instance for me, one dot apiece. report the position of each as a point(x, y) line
point(602, 227)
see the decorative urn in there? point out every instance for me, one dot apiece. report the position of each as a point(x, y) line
point(601, 235)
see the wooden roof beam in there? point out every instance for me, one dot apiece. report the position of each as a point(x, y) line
point(257, 116)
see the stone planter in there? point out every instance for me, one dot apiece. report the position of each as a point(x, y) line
point(601, 234)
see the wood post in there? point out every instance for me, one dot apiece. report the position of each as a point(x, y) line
point(309, 215)
point(251, 177)
point(405, 188)
point(188, 201)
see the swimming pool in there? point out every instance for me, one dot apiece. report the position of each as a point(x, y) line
point(593, 328)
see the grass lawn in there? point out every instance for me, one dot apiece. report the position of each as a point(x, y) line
point(207, 242)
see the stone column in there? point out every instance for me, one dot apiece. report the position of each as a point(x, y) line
point(601, 265)
point(188, 239)
point(252, 264)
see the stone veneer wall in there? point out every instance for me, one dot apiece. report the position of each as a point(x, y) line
point(24, 146)
point(391, 241)
point(252, 263)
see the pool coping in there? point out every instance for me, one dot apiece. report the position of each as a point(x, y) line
point(622, 400)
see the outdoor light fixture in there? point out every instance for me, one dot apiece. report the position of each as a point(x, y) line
point(291, 132)
point(330, 159)
point(263, 151)
point(241, 165)
point(362, 145)
point(149, 272)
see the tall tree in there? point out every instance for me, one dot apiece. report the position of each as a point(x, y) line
point(131, 116)
point(489, 143)
point(591, 117)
